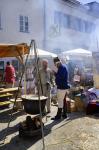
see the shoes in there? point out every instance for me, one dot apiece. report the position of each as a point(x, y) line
point(64, 116)
point(59, 114)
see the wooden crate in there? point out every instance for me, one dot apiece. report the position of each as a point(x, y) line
point(80, 106)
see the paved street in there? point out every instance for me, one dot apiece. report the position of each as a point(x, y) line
point(79, 132)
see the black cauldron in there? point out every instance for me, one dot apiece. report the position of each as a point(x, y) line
point(31, 103)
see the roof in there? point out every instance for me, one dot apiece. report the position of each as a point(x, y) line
point(90, 3)
point(93, 7)
point(83, 7)
point(73, 2)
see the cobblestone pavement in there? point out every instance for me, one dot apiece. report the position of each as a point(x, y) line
point(79, 132)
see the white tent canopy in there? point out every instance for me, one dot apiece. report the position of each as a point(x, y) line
point(77, 52)
point(42, 53)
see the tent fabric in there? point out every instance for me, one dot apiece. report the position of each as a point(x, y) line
point(12, 50)
point(80, 52)
point(41, 52)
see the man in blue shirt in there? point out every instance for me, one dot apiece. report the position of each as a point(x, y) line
point(61, 79)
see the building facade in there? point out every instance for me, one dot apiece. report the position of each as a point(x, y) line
point(56, 25)
point(69, 26)
point(21, 21)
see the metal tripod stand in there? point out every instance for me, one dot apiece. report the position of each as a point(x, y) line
point(32, 45)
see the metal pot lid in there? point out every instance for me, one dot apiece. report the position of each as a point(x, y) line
point(33, 97)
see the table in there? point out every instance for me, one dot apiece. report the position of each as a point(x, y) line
point(9, 90)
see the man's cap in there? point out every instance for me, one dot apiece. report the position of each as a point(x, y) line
point(56, 59)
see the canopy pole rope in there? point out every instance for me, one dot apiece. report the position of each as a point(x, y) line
point(16, 96)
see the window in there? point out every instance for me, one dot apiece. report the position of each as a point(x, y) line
point(83, 26)
point(66, 20)
point(57, 18)
point(0, 22)
point(57, 51)
point(78, 24)
point(82, 29)
point(72, 22)
point(93, 26)
point(24, 25)
point(87, 27)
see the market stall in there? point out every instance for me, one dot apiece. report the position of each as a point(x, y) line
point(11, 50)
point(86, 93)
point(78, 52)
point(19, 51)
point(81, 59)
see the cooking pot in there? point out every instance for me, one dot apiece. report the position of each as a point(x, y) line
point(31, 103)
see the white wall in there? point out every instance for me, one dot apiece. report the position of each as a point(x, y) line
point(10, 12)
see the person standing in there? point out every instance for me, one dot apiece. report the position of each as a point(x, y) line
point(47, 80)
point(61, 79)
point(9, 75)
point(77, 76)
